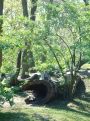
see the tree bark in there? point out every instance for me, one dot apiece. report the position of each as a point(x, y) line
point(25, 8)
point(33, 9)
point(27, 54)
point(0, 58)
point(13, 79)
point(45, 88)
point(27, 61)
point(1, 23)
point(18, 62)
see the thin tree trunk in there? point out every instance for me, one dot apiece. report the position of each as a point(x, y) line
point(18, 62)
point(1, 23)
point(33, 9)
point(13, 78)
point(0, 58)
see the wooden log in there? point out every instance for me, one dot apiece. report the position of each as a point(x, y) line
point(43, 90)
point(46, 89)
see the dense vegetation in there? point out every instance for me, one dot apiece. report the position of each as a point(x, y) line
point(59, 28)
point(38, 35)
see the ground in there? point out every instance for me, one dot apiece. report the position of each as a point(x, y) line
point(76, 110)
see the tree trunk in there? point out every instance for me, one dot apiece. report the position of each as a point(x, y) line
point(27, 61)
point(1, 23)
point(25, 9)
point(27, 56)
point(33, 9)
point(13, 79)
point(0, 58)
point(18, 62)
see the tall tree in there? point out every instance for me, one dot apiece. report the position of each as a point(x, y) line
point(21, 54)
point(1, 23)
point(27, 54)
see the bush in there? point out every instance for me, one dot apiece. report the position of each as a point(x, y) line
point(6, 94)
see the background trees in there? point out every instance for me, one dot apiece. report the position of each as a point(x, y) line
point(49, 20)
point(50, 23)
point(55, 36)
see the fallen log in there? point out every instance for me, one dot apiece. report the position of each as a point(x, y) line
point(44, 89)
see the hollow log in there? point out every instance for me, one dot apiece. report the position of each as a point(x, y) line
point(42, 90)
point(45, 89)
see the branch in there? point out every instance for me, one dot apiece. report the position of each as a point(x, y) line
point(66, 45)
point(60, 67)
point(71, 69)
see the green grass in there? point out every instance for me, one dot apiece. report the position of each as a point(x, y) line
point(77, 110)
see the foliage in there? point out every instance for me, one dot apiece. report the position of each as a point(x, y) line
point(55, 23)
point(59, 36)
point(6, 93)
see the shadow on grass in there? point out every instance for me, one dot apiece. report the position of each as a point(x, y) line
point(13, 116)
point(63, 105)
point(39, 117)
point(17, 116)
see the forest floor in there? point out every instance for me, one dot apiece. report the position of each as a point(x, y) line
point(77, 110)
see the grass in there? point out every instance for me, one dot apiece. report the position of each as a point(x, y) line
point(77, 110)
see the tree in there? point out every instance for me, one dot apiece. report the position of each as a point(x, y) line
point(5, 92)
point(33, 9)
point(60, 32)
point(25, 8)
point(27, 53)
point(1, 23)
point(63, 28)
